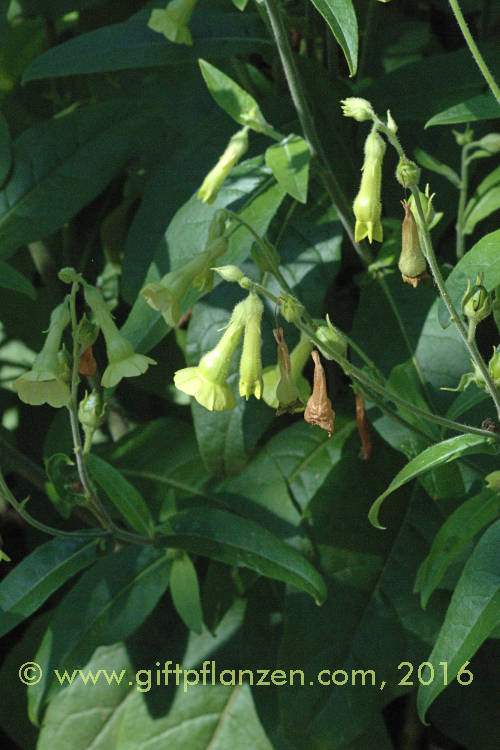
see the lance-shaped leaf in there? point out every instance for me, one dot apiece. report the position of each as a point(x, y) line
point(434, 165)
point(435, 455)
point(473, 614)
point(482, 107)
point(12, 279)
point(122, 494)
point(237, 541)
point(485, 200)
point(341, 18)
point(233, 99)
point(41, 573)
point(289, 163)
point(185, 592)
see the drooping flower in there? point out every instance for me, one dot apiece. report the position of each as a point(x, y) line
point(285, 388)
point(166, 295)
point(207, 382)
point(123, 361)
point(46, 382)
point(251, 363)
point(173, 21)
point(235, 149)
point(367, 205)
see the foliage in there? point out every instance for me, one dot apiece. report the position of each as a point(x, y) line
point(186, 181)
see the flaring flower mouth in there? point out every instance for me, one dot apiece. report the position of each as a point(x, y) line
point(371, 229)
point(128, 367)
point(160, 298)
point(213, 396)
point(37, 387)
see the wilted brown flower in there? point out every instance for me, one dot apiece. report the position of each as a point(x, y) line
point(87, 364)
point(319, 407)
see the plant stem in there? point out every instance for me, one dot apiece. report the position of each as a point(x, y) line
point(488, 76)
point(354, 372)
point(308, 126)
point(464, 185)
point(431, 259)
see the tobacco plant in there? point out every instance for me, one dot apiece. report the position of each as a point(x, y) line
point(282, 217)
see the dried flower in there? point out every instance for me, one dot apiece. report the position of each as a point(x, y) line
point(412, 263)
point(319, 407)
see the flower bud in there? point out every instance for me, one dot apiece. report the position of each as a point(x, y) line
point(319, 407)
point(391, 124)
point(230, 273)
point(407, 173)
point(476, 302)
point(91, 411)
point(250, 363)
point(68, 275)
point(291, 308)
point(412, 263)
point(173, 21)
point(367, 205)
point(235, 149)
point(333, 338)
point(357, 108)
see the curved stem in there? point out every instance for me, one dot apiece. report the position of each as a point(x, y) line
point(487, 75)
point(308, 127)
point(464, 180)
point(470, 345)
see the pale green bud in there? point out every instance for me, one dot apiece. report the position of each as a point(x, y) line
point(331, 337)
point(291, 309)
point(407, 173)
point(230, 273)
point(235, 149)
point(476, 302)
point(357, 108)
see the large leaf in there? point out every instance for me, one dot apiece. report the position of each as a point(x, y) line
point(289, 162)
point(45, 570)
point(61, 165)
point(483, 258)
point(473, 613)
point(126, 499)
point(237, 541)
point(485, 200)
point(107, 604)
point(435, 455)
point(185, 592)
point(234, 100)
point(133, 45)
point(453, 538)
point(482, 107)
point(341, 18)
point(12, 279)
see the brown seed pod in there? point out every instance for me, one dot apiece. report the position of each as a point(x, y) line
point(319, 407)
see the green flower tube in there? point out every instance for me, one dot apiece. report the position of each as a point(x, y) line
point(235, 149)
point(367, 205)
point(123, 361)
point(45, 383)
point(251, 363)
point(207, 381)
point(285, 388)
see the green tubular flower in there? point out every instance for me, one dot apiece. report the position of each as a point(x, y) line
point(367, 205)
point(173, 21)
point(251, 363)
point(285, 388)
point(123, 361)
point(45, 383)
point(235, 149)
point(165, 295)
point(207, 381)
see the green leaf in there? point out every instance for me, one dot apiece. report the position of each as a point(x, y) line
point(185, 592)
point(108, 603)
point(341, 18)
point(483, 258)
point(452, 539)
point(237, 541)
point(132, 44)
point(447, 450)
point(126, 499)
point(35, 578)
point(60, 489)
point(473, 613)
point(289, 162)
point(12, 279)
point(485, 200)
point(61, 165)
point(233, 99)
point(434, 165)
point(5, 149)
point(482, 107)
